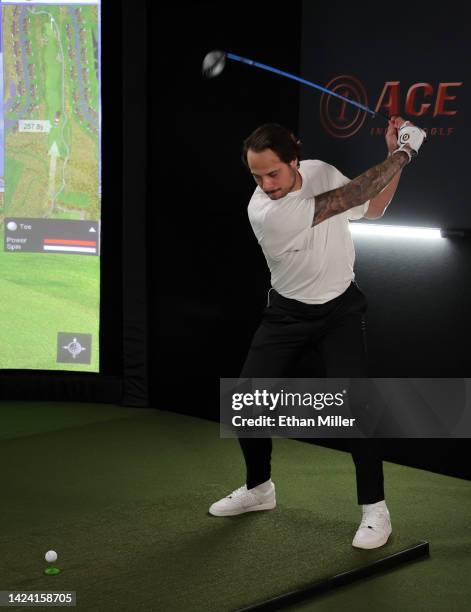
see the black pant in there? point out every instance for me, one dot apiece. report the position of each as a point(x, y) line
point(336, 329)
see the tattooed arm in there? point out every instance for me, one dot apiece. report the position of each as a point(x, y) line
point(359, 190)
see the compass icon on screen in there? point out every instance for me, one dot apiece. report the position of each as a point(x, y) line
point(74, 348)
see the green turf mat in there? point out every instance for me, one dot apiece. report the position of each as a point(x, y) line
point(124, 503)
point(30, 418)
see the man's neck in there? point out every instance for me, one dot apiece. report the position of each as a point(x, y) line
point(298, 183)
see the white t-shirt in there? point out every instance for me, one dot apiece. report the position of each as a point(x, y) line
point(308, 264)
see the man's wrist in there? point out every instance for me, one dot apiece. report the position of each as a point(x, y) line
point(407, 150)
point(407, 156)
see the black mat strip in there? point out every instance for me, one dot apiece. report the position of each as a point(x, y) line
point(403, 556)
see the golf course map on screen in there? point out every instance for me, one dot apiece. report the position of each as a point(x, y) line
point(50, 185)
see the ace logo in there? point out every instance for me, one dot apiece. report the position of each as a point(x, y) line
point(341, 120)
point(419, 100)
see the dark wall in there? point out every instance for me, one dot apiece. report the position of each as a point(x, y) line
point(418, 71)
point(419, 303)
point(111, 312)
point(209, 276)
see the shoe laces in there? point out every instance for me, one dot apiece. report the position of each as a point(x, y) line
point(237, 492)
point(372, 517)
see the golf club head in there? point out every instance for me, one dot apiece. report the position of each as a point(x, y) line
point(213, 64)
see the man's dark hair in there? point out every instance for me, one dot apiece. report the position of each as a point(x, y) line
point(275, 137)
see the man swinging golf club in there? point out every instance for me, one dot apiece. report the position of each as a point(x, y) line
point(300, 213)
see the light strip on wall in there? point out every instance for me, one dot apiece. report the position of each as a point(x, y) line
point(367, 229)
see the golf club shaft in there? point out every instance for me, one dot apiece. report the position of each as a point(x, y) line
point(250, 62)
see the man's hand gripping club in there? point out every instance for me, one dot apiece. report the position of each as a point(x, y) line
point(373, 181)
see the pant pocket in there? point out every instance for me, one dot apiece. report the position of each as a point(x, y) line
point(275, 315)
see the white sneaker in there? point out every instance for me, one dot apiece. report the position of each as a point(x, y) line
point(375, 527)
point(244, 500)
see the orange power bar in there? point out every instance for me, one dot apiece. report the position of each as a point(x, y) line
point(75, 242)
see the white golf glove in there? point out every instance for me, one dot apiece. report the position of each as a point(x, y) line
point(411, 135)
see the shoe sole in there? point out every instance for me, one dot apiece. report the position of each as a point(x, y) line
point(267, 506)
point(382, 543)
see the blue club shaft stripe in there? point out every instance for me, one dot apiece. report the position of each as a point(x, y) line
point(250, 62)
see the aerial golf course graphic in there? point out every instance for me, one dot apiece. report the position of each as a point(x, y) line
point(51, 172)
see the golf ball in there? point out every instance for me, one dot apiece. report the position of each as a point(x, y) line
point(51, 556)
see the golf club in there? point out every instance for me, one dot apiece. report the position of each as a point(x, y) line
point(215, 61)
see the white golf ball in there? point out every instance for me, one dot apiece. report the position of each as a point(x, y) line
point(11, 225)
point(51, 556)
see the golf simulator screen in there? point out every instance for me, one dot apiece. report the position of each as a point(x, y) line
point(50, 185)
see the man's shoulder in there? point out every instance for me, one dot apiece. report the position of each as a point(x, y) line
point(323, 173)
point(315, 165)
point(257, 207)
point(258, 200)
point(311, 162)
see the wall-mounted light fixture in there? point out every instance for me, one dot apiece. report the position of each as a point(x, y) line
point(373, 229)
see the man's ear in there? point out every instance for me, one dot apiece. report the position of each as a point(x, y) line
point(294, 163)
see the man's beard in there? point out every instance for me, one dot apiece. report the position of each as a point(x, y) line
point(278, 194)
